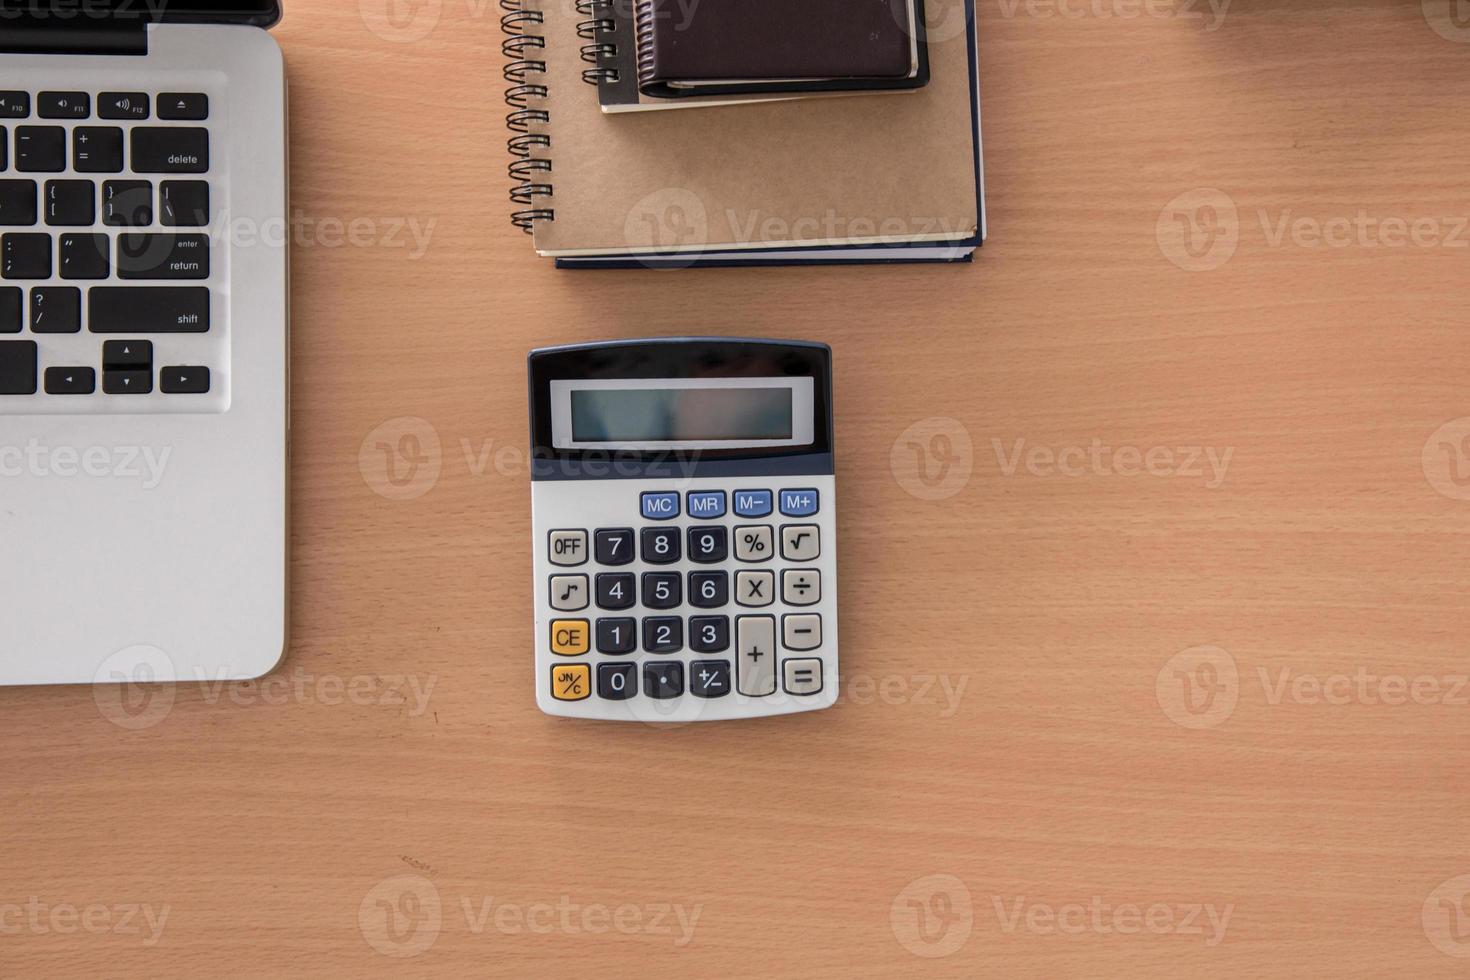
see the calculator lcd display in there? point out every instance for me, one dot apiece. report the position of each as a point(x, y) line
point(684, 413)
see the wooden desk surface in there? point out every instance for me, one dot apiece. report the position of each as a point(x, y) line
point(1153, 560)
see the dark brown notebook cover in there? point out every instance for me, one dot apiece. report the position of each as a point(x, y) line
point(755, 45)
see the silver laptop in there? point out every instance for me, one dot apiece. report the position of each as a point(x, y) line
point(144, 419)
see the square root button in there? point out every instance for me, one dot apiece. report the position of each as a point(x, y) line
point(799, 503)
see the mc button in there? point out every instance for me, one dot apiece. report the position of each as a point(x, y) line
point(569, 637)
point(660, 506)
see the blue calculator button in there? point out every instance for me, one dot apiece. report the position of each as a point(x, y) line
point(660, 506)
point(752, 503)
point(706, 505)
point(798, 503)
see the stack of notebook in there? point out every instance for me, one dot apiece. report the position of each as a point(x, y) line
point(845, 137)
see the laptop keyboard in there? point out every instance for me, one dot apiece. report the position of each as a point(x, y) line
point(106, 257)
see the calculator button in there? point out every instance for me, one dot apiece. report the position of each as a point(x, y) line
point(801, 632)
point(801, 587)
point(800, 542)
point(183, 105)
point(615, 636)
point(64, 105)
point(571, 682)
point(569, 637)
point(755, 588)
point(706, 505)
point(708, 545)
point(799, 503)
point(617, 682)
point(569, 592)
point(803, 676)
point(709, 590)
point(709, 678)
point(752, 503)
point(709, 634)
point(660, 506)
point(614, 546)
point(663, 590)
point(663, 681)
point(754, 542)
point(568, 547)
point(15, 105)
point(660, 545)
point(756, 646)
point(615, 590)
point(663, 634)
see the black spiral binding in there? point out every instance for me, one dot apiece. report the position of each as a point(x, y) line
point(596, 29)
point(520, 47)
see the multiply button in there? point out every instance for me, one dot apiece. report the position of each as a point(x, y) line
point(569, 592)
point(799, 503)
point(755, 588)
point(569, 637)
point(706, 505)
point(568, 547)
point(755, 638)
point(803, 677)
point(752, 503)
point(801, 587)
point(660, 506)
point(800, 542)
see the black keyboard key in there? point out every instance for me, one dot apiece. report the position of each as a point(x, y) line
point(40, 149)
point(171, 150)
point(617, 636)
point(709, 590)
point(709, 634)
point(11, 320)
point(184, 203)
point(143, 256)
point(663, 681)
point(663, 634)
point(614, 546)
point(660, 545)
point(4, 147)
point(663, 590)
point(183, 105)
point(56, 309)
point(709, 678)
point(122, 105)
point(617, 682)
point(70, 202)
point(63, 105)
point(17, 367)
point(84, 257)
point(25, 256)
point(148, 309)
point(17, 203)
point(184, 380)
point(127, 382)
point(616, 590)
point(15, 105)
point(127, 203)
point(97, 149)
point(708, 545)
point(126, 355)
point(70, 381)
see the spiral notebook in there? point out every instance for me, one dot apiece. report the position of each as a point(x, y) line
point(870, 178)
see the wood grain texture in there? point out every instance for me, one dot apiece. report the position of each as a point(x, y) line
point(1051, 783)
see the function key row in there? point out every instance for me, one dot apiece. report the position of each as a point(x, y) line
point(190, 106)
point(617, 636)
point(665, 590)
point(708, 505)
point(99, 149)
point(665, 681)
point(707, 545)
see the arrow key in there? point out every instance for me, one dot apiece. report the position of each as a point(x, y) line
point(195, 381)
point(121, 355)
point(70, 381)
point(127, 382)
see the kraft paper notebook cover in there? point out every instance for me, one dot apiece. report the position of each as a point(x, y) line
point(767, 180)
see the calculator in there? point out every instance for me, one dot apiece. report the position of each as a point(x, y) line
point(684, 527)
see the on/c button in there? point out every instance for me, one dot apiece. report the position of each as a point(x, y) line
point(569, 637)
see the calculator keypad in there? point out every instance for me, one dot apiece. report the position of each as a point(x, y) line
point(696, 597)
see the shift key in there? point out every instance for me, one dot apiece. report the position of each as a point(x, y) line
point(146, 256)
point(148, 309)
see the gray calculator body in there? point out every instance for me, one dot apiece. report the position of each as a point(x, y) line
point(684, 529)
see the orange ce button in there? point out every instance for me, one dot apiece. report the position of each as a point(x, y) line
point(569, 637)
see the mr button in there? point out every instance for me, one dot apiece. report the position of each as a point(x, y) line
point(569, 637)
